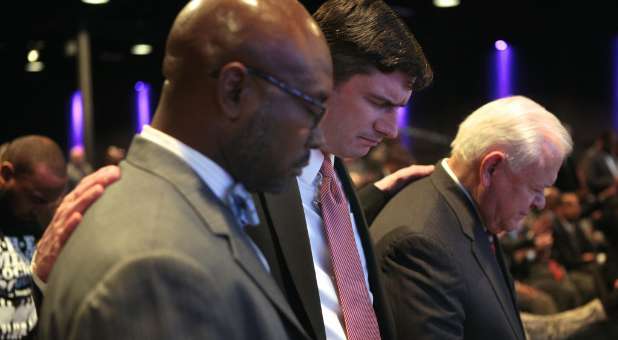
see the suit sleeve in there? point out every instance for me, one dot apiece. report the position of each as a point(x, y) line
point(425, 287)
point(372, 201)
point(159, 297)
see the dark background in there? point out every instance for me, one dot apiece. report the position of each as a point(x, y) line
point(562, 49)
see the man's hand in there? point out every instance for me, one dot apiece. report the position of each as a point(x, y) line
point(68, 215)
point(392, 183)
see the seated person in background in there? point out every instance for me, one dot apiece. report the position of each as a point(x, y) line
point(32, 180)
point(602, 169)
point(78, 166)
point(436, 240)
point(573, 249)
point(113, 155)
point(530, 262)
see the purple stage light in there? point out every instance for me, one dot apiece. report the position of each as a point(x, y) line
point(403, 121)
point(76, 137)
point(142, 95)
point(501, 45)
point(503, 65)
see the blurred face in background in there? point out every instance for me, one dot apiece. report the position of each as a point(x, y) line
point(570, 209)
point(33, 197)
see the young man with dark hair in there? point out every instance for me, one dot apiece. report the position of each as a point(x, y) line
point(317, 251)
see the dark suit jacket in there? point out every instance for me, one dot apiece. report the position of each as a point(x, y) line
point(284, 241)
point(568, 249)
point(442, 279)
point(160, 257)
point(599, 176)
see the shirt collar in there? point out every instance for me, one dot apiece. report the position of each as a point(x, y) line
point(311, 170)
point(452, 175)
point(217, 179)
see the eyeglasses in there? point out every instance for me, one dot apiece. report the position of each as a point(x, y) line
point(292, 91)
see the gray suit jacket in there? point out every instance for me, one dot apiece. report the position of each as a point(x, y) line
point(160, 257)
point(441, 277)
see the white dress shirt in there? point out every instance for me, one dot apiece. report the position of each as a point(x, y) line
point(309, 185)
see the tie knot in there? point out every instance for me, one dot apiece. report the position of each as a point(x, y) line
point(242, 205)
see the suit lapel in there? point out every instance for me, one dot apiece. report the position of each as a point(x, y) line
point(490, 265)
point(472, 227)
point(215, 214)
point(286, 222)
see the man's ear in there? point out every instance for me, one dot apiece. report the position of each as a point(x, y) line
point(7, 171)
point(490, 163)
point(231, 88)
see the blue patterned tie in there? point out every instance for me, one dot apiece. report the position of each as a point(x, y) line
point(242, 205)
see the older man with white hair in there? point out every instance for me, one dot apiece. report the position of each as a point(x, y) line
point(436, 240)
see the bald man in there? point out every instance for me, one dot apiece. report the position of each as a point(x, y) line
point(164, 254)
point(32, 179)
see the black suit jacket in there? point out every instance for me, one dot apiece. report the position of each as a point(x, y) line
point(159, 256)
point(284, 240)
point(442, 279)
point(568, 249)
point(599, 176)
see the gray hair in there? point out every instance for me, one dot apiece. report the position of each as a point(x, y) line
point(517, 125)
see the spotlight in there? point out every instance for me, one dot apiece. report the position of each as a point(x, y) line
point(501, 45)
point(95, 2)
point(141, 49)
point(445, 3)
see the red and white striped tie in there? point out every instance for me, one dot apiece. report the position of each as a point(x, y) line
point(358, 314)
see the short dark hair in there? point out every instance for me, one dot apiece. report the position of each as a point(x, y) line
point(28, 151)
point(367, 34)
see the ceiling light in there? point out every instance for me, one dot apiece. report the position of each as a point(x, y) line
point(35, 66)
point(445, 3)
point(95, 2)
point(141, 49)
point(33, 56)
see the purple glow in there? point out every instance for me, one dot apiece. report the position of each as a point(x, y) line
point(502, 73)
point(76, 137)
point(142, 95)
point(615, 83)
point(403, 121)
point(501, 45)
point(139, 86)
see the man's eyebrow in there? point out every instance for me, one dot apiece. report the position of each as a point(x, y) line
point(386, 100)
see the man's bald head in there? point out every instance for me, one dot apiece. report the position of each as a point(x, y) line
point(230, 67)
point(25, 153)
point(207, 34)
point(34, 177)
